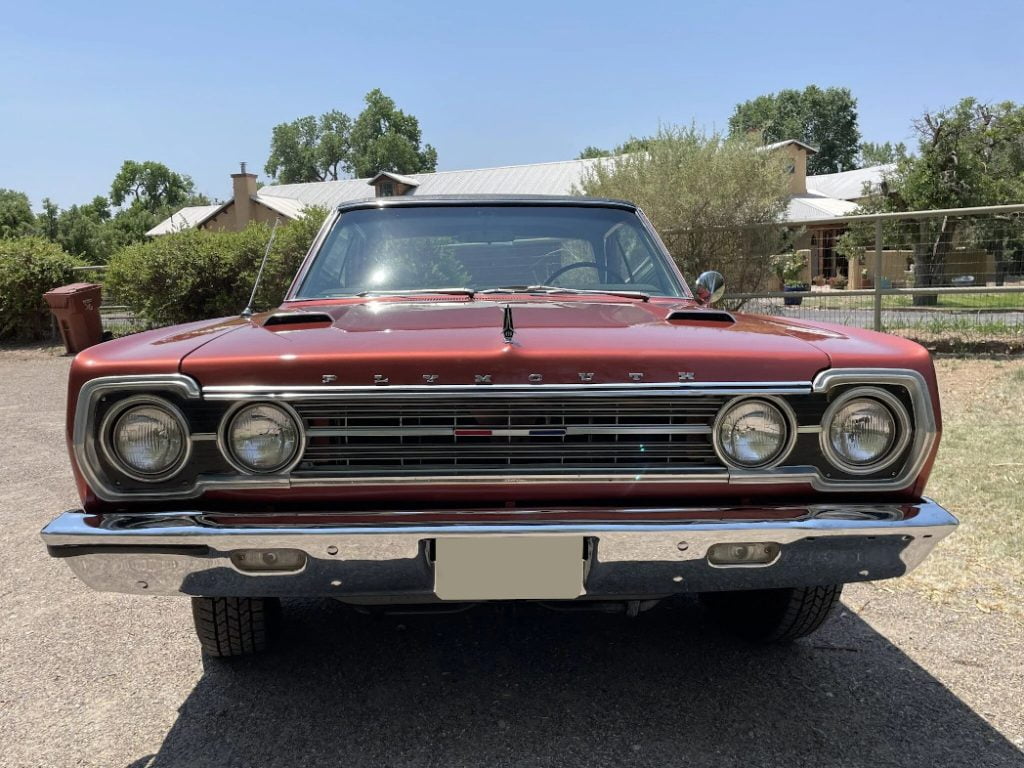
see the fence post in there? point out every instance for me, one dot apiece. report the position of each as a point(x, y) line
point(878, 274)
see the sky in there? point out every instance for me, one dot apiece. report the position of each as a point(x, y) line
point(199, 86)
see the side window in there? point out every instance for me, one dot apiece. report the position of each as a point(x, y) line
point(331, 263)
point(637, 265)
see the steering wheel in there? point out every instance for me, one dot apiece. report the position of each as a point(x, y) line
point(550, 279)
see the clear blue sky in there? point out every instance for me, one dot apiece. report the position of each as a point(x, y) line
point(199, 86)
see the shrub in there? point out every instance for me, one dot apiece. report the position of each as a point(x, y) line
point(29, 267)
point(196, 274)
point(839, 282)
point(789, 267)
point(716, 201)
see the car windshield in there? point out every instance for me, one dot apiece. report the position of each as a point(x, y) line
point(399, 249)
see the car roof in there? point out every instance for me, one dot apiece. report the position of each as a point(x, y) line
point(491, 200)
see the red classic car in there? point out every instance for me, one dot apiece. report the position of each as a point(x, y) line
point(477, 399)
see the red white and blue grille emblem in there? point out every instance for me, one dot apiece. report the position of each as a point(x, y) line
point(508, 432)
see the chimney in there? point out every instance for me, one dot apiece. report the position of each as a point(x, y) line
point(243, 188)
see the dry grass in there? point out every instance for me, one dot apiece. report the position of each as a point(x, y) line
point(979, 477)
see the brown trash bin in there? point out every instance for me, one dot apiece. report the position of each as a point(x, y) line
point(77, 309)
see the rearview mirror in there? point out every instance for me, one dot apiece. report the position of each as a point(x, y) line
point(710, 287)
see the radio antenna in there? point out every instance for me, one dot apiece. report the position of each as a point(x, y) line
point(247, 312)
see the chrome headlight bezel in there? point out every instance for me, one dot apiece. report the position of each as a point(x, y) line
point(109, 451)
point(786, 446)
point(224, 442)
point(901, 420)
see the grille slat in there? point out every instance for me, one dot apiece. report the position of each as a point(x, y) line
point(509, 435)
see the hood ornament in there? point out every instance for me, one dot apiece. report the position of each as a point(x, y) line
point(507, 326)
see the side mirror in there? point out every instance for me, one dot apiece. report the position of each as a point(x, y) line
point(710, 287)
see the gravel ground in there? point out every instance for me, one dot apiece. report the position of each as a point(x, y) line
point(90, 679)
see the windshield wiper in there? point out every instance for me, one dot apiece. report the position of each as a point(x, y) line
point(420, 292)
point(548, 289)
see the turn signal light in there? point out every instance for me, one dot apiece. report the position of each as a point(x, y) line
point(748, 553)
point(264, 560)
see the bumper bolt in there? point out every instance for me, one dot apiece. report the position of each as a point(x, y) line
point(332, 550)
point(682, 546)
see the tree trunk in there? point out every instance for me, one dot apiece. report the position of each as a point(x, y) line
point(930, 262)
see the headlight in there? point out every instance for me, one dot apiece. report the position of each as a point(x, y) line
point(263, 438)
point(752, 434)
point(146, 439)
point(864, 431)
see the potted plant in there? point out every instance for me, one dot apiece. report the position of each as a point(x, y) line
point(789, 268)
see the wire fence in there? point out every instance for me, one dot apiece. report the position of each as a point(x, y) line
point(117, 317)
point(919, 273)
point(956, 272)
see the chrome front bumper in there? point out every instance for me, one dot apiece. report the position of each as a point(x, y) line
point(190, 552)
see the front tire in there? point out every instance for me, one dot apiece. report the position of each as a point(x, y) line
point(235, 626)
point(773, 615)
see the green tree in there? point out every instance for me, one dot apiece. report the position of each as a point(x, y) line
point(16, 217)
point(86, 231)
point(311, 149)
point(968, 155)
point(151, 185)
point(29, 267)
point(46, 222)
point(824, 118)
point(871, 153)
point(714, 200)
point(632, 144)
point(384, 138)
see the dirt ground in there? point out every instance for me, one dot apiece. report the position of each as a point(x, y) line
point(926, 671)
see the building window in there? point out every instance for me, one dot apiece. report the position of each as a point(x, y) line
point(386, 189)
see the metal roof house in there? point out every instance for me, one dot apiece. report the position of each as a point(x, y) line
point(813, 198)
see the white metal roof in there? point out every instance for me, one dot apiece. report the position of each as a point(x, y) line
point(849, 185)
point(186, 218)
point(813, 207)
point(407, 180)
point(286, 206)
point(557, 178)
point(787, 142)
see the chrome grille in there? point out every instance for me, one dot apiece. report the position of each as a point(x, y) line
point(508, 435)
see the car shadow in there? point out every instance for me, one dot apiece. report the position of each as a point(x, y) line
point(523, 685)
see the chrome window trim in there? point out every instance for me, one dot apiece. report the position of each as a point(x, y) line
point(225, 448)
point(925, 432)
point(788, 415)
point(105, 432)
point(901, 420)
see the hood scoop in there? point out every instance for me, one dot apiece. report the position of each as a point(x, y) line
point(701, 316)
point(284, 321)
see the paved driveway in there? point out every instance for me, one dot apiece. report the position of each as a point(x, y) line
point(89, 679)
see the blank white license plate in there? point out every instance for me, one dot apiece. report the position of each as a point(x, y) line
point(509, 568)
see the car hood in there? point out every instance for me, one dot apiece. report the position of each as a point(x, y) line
point(461, 341)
